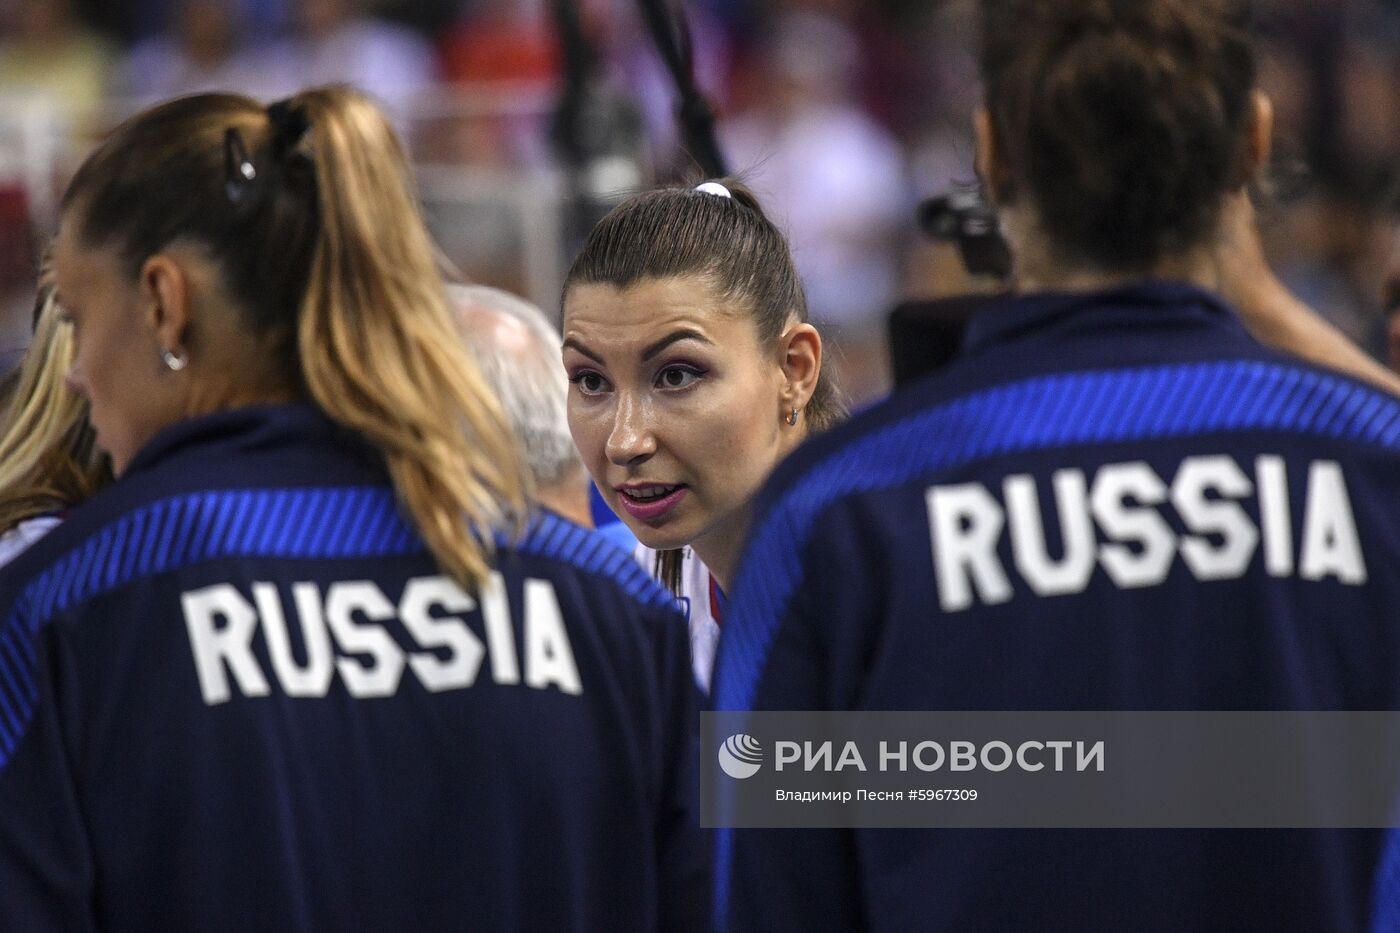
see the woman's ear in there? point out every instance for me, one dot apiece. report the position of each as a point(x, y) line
point(165, 293)
point(1261, 133)
point(800, 349)
point(990, 160)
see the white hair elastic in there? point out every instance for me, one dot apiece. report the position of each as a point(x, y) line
point(715, 188)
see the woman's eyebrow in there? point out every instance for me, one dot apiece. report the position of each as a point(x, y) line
point(684, 333)
point(571, 343)
point(650, 350)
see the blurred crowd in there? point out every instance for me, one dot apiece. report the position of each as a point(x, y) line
point(840, 114)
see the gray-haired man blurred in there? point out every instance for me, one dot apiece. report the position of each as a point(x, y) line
point(518, 350)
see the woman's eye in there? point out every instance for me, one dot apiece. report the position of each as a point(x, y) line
point(678, 377)
point(589, 382)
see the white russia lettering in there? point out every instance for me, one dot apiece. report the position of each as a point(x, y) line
point(967, 521)
point(351, 616)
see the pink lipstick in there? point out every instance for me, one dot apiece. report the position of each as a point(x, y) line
point(649, 502)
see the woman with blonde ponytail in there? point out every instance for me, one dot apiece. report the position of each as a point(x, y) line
point(317, 651)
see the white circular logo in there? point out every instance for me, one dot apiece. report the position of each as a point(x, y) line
point(740, 756)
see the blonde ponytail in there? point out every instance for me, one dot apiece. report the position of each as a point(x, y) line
point(48, 458)
point(379, 352)
point(323, 249)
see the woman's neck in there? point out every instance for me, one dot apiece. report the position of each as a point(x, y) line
point(219, 395)
point(1068, 279)
point(721, 548)
point(1039, 267)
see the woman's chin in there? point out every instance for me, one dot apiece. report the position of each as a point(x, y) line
point(658, 539)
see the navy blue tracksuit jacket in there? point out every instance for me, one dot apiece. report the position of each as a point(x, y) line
point(1113, 501)
point(236, 693)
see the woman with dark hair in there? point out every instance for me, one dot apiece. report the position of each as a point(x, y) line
point(694, 372)
point(1113, 499)
point(309, 664)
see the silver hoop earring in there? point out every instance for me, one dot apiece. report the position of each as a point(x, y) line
point(174, 361)
point(792, 418)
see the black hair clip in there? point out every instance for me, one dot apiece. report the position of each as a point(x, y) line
point(239, 173)
point(289, 125)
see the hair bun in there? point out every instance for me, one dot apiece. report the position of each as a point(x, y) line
point(1122, 120)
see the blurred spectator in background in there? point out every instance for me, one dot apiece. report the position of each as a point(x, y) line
point(203, 49)
point(1331, 69)
point(835, 180)
point(834, 177)
point(942, 92)
point(48, 55)
point(17, 262)
point(843, 114)
point(501, 40)
point(338, 42)
point(495, 47)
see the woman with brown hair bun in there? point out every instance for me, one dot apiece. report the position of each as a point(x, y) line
point(694, 373)
point(1113, 499)
point(309, 663)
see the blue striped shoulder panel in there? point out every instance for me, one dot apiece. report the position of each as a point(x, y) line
point(179, 532)
point(552, 537)
point(1096, 407)
point(1036, 414)
point(301, 523)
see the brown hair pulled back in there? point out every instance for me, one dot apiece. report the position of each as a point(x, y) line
point(1123, 121)
point(326, 255)
point(729, 243)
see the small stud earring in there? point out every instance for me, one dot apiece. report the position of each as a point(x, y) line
point(792, 418)
point(174, 361)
